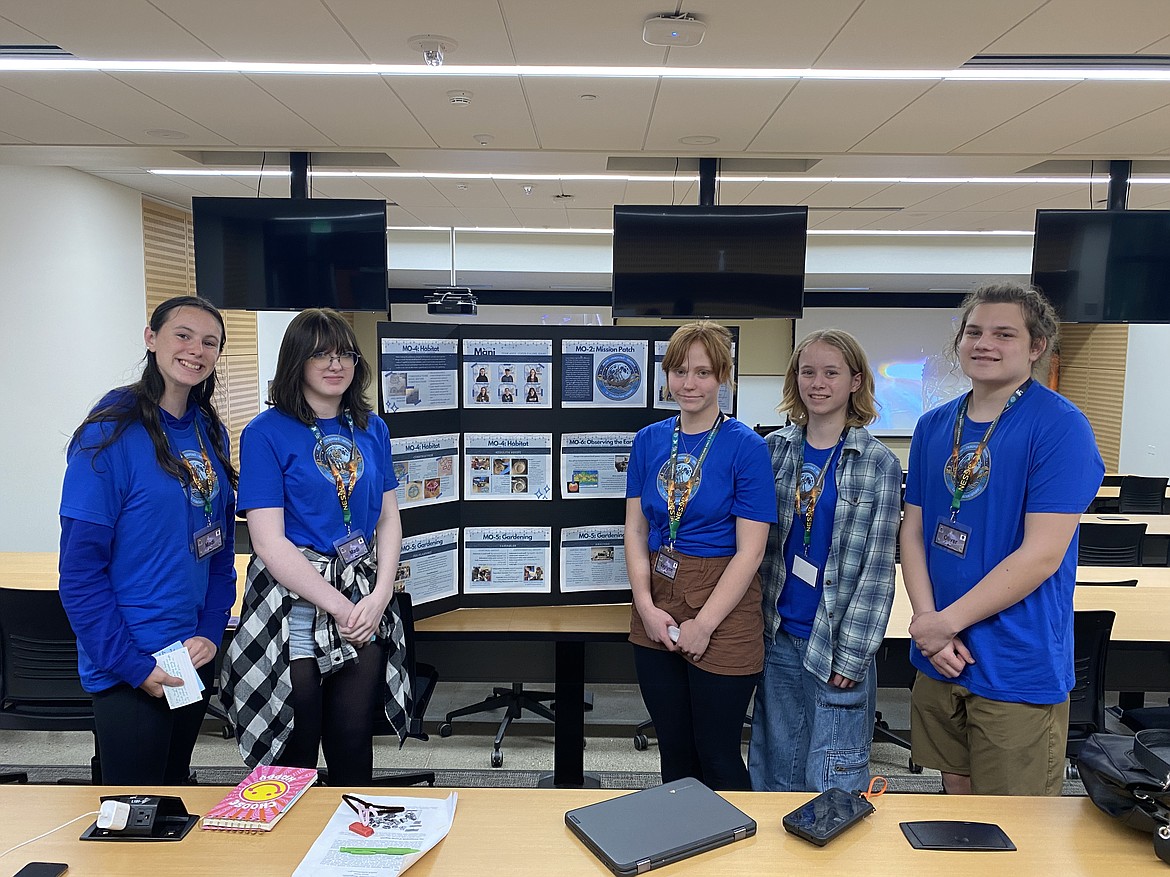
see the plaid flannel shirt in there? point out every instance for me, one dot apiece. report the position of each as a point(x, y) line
point(859, 574)
point(256, 680)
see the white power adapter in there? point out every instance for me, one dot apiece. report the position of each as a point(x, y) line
point(113, 815)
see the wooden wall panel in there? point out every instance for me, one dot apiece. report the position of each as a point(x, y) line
point(1092, 375)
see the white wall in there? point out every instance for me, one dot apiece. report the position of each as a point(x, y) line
point(73, 310)
point(1145, 417)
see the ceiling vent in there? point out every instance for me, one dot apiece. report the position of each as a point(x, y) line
point(270, 158)
point(17, 50)
point(1057, 62)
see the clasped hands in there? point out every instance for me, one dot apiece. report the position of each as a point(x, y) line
point(941, 645)
point(693, 639)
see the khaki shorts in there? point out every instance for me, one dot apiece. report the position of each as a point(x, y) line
point(1006, 748)
point(737, 645)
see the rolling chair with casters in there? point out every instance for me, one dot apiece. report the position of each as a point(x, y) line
point(1110, 544)
point(1143, 718)
point(1086, 709)
point(1141, 496)
point(423, 678)
point(513, 701)
point(40, 689)
point(642, 741)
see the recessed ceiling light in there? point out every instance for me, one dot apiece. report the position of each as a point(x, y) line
point(167, 134)
point(462, 186)
point(587, 96)
point(482, 139)
point(698, 140)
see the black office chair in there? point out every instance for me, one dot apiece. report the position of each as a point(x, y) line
point(1144, 718)
point(513, 701)
point(40, 689)
point(1086, 709)
point(1141, 496)
point(423, 678)
point(1111, 544)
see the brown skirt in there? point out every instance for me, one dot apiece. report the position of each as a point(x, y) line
point(737, 645)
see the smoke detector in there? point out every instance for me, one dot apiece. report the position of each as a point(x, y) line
point(670, 30)
point(459, 98)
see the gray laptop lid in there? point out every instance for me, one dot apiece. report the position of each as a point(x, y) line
point(643, 830)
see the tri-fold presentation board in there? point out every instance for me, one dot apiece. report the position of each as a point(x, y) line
point(510, 448)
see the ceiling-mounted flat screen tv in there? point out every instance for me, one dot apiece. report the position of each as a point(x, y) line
point(291, 253)
point(722, 262)
point(1104, 266)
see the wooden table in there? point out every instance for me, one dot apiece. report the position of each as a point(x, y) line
point(569, 628)
point(516, 832)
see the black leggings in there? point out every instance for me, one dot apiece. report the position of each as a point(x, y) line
point(337, 714)
point(698, 718)
point(141, 741)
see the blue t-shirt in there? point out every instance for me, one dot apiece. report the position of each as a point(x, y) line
point(798, 601)
point(152, 591)
point(735, 482)
point(1042, 458)
point(283, 466)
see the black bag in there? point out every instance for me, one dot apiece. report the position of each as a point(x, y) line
point(1129, 778)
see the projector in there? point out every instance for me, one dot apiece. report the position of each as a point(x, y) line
point(665, 30)
point(452, 300)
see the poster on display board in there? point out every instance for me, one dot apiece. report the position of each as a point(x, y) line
point(428, 567)
point(425, 468)
point(507, 373)
point(510, 466)
point(593, 558)
point(662, 397)
point(507, 560)
point(419, 374)
point(593, 464)
point(603, 374)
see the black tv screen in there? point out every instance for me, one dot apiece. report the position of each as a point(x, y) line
point(695, 261)
point(1104, 266)
point(291, 253)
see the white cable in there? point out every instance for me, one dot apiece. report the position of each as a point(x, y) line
point(47, 833)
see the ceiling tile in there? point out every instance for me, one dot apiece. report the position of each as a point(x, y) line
point(409, 193)
point(592, 217)
point(819, 116)
point(294, 30)
point(953, 113)
point(38, 123)
point(542, 217)
point(108, 103)
point(733, 111)
point(1071, 116)
point(886, 33)
point(491, 217)
point(497, 108)
point(615, 122)
point(355, 113)
point(382, 29)
point(243, 113)
point(108, 29)
point(1070, 27)
point(1145, 135)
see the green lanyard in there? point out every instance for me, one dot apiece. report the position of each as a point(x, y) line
point(963, 478)
point(814, 493)
point(677, 504)
point(344, 491)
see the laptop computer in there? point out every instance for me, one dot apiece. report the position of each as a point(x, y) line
point(644, 830)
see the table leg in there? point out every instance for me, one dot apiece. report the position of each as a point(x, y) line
point(569, 728)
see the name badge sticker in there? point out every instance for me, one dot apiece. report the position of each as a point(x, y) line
point(951, 536)
point(208, 541)
point(352, 548)
point(805, 571)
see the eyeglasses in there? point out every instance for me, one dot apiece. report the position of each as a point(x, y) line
point(348, 359)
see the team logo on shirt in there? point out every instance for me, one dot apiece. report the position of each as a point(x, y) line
point(979, 477)
point(809, 473)
point(339, 449)
point(195, 459)
point(687, 468)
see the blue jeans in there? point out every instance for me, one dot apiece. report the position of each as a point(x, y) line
point(807, 735)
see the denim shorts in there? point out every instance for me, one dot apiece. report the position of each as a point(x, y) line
point(300, 630)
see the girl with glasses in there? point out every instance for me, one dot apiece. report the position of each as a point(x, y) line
point(319, 642)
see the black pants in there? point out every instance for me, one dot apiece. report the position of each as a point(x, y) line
point(141, 741)
point(337, 714)
point(698, 718)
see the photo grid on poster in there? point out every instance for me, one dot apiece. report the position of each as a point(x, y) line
point(507, 560)
point(419, 374)
point(507, 373)
point(425, 468)
point(508, 466)
point(593, 464)
point(593, 559)
point(428, 567)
